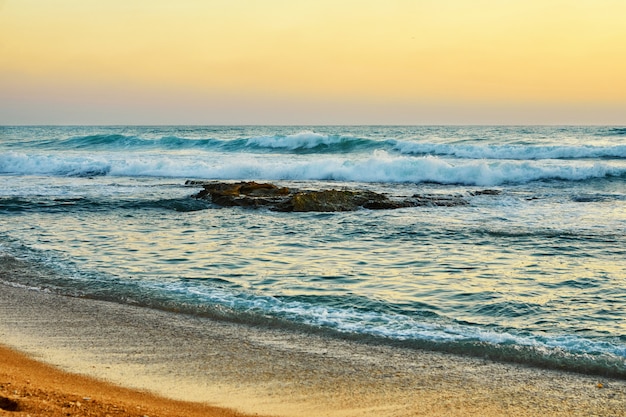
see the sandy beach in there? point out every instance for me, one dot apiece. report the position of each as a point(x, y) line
point(162, 358)
point(31, 388)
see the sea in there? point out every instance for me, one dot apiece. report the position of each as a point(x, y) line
point(531, 270)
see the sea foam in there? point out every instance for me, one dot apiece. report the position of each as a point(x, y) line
point(381, 166)
point(518, 152)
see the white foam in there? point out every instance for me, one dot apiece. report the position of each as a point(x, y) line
point(49, 164)
point(517, 152)
point(380, 167)
point(302, 140)
point(389, 325)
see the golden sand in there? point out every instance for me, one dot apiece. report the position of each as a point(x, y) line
point(31, 388)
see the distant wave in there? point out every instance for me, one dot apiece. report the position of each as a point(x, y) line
point(300, 142)
point(616, 131)
point(311, 141)
point(379, 167)
point(99, 141)
point(123, 142)
point(308, 142)
point(517, 152)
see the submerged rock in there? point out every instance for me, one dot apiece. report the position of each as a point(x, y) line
point(485, 192)
point(253, 194)
point(434, 200)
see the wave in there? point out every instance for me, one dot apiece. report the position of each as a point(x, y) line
point(315, 142)
point(309, 142)
point(516, 152)
point(76, 204)
point(615, 131)
point(97, 142)
point(305, 141)
point(27, 164)
point(118, 142)
point(381, 167)
point(376, 321)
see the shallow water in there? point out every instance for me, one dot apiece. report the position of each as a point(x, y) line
point(535, 274)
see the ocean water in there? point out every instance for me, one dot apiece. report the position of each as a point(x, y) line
point(534, 272)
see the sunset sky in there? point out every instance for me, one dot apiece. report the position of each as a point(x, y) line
point(312, 62)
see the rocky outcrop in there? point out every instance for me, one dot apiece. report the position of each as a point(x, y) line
point(253, 194)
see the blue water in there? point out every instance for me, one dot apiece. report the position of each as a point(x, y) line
point(535, 274)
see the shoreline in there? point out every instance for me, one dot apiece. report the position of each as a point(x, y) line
point(280, 372)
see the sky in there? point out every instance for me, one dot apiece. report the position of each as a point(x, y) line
point(312, 62)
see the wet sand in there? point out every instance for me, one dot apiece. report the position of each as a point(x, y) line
point(260, 371)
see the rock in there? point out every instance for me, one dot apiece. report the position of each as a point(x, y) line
point(252, 194)
point(244, 194)
point(435, 200)
point(485, 192)
point(386, 204)
point(254, 189)
point(8, 404)
point(330, 200)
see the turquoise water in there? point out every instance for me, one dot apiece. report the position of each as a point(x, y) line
point(534, 274)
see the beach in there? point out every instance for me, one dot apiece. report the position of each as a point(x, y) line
point(312, 209)
point(31, 388)
point(256, 370)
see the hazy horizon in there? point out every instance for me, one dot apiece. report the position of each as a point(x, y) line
point(241, 62)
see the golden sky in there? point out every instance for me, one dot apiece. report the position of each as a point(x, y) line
point(312, 61)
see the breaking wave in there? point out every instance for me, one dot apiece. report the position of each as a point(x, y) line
point(312, 142)
point(379, 167)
